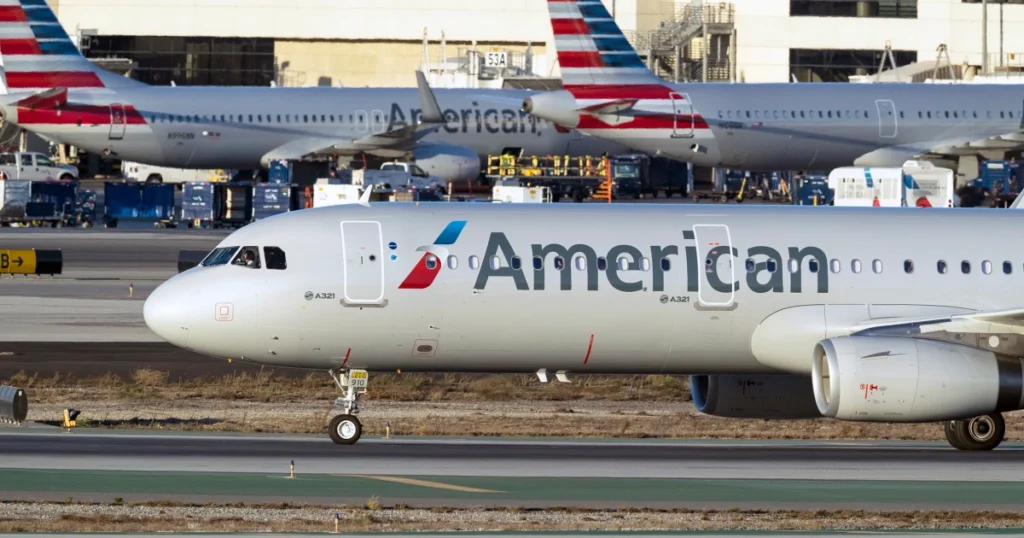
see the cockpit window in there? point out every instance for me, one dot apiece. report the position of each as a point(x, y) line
point(219, 256)
point(248, 257)
point(275, 258)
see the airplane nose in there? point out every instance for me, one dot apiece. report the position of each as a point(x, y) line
point(167, 314)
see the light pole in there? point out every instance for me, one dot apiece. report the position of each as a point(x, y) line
point(984, 37)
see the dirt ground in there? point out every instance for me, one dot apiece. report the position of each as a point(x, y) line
point(168, 517)
point(417, 404)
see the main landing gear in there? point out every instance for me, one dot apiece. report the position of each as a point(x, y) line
point(978, 433)
point(345, 429)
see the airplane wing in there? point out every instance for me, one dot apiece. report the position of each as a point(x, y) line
point(393, 142)
point(960, 328)
point(955, 147)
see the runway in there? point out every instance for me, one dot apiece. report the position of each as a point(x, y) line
point(46, 463)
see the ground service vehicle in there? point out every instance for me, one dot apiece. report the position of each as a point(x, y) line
point(34, 166)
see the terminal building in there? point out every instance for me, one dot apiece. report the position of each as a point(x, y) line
point(381, 42)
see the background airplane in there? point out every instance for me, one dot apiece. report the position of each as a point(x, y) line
point(608, 92)
point(811, 316)
point(60, 95)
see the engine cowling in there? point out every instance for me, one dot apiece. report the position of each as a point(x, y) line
point(767, 396)
point(902, 379)
point(558, 107)
point(457, 164)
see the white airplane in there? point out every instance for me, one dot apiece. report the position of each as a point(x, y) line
point(893, 315)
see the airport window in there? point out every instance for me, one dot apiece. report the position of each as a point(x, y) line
point(453, 262)
point(538, 263)
point(965, 267)
point(623, 263)
point(813, 266)
point(986, 267)
point(886, 9)
point(474, 263)
point(876, 266)
point(495, 262)
point(834, 265)
point(942, 267)
point(772, 266)
point(666, 264)
point(517, 264)
point(794, 266)
point(430, 261)
point(855, 266)
point(645, 264)
point(838, 65)
point(219, 256)
point(275, 258)
point(908, 266)
point(750, 265)
point(602, 264)
point(1007, 267)
point(581, 263)
point(248, 257)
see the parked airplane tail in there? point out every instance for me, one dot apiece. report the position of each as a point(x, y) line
point(39, 55)
point(591, 48)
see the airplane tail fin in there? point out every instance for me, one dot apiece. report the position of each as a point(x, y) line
point(592, 50)
point(39, 55)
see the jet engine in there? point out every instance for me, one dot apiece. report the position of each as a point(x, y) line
point(558, 107)
point(457, 164)
point(903, 379)
point(766, 396)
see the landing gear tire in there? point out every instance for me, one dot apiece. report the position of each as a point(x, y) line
point(345, 429)
point(980, 433)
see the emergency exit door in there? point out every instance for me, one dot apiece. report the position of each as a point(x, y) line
point(118, 122)
point(362, 244)
point(715, 287)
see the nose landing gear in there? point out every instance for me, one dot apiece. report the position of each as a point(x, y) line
point(345, 429)
point(984, 432)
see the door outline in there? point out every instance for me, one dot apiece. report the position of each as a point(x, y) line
point(702, 282)
point(681, 106)
point(886, 108)
point(118, 122)
point(346, 298)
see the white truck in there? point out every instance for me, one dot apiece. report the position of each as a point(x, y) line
point(915, 184)
point(418, 178)
point(33, 166)
point(138, 172)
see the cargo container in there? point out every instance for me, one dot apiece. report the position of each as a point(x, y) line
point(235, 204)
point(199, 204)
point(271, 199)
point(300, 173)
point(328, 195)
point(51, 201)
point(150, 201)
point(14, 197)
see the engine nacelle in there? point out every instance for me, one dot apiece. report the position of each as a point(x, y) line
point(762, 396)
point(457, 164)
point(558, 107)
point(903, 379)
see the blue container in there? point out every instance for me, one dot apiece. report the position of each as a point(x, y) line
point(198, 201)
point(52, 198)
point(280, 172)
point(995, 176)
point(157, 201)
point(814, 188)
point(120, 200)
point(271, 199)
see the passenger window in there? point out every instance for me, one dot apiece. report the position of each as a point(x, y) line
point(1007, 267)
point(259, 118)
point(602, 264)
point(278, 118)
point(453, 262)
point(772, 266)
point(834, 265)
point(495, 262)
point(431, 261)
point(876, 266)
point(986, 267)
point(581, 263)
point(474, 263)
point(248, 257)
point(908, 266)
point(793, 266)
point(624, 263)
point(559, 263)
point(855, 266)
point(250, 118)
point(813, 266)
point(965, 266)
point(219, 256)
point(517, 264)
point(665, 264)
point(942, 267)
point(645, 264)
point(538, 263)
point(750, 265)
point(275, 258)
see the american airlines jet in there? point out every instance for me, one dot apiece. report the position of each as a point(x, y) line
point(609, 93)
point(58, 94)
point(902, 315)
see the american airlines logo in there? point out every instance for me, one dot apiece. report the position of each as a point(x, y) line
point(429, 265)
point(469, 120)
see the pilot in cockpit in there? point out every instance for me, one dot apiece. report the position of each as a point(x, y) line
point(248, 258)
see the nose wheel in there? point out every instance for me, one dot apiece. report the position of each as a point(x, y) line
point(983, 432)
point(345, 429)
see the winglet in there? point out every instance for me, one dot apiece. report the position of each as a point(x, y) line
point(364, 200)
point(431, 110)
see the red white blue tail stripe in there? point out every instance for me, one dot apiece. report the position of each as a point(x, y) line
point(38, 54)
point(592, 50)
